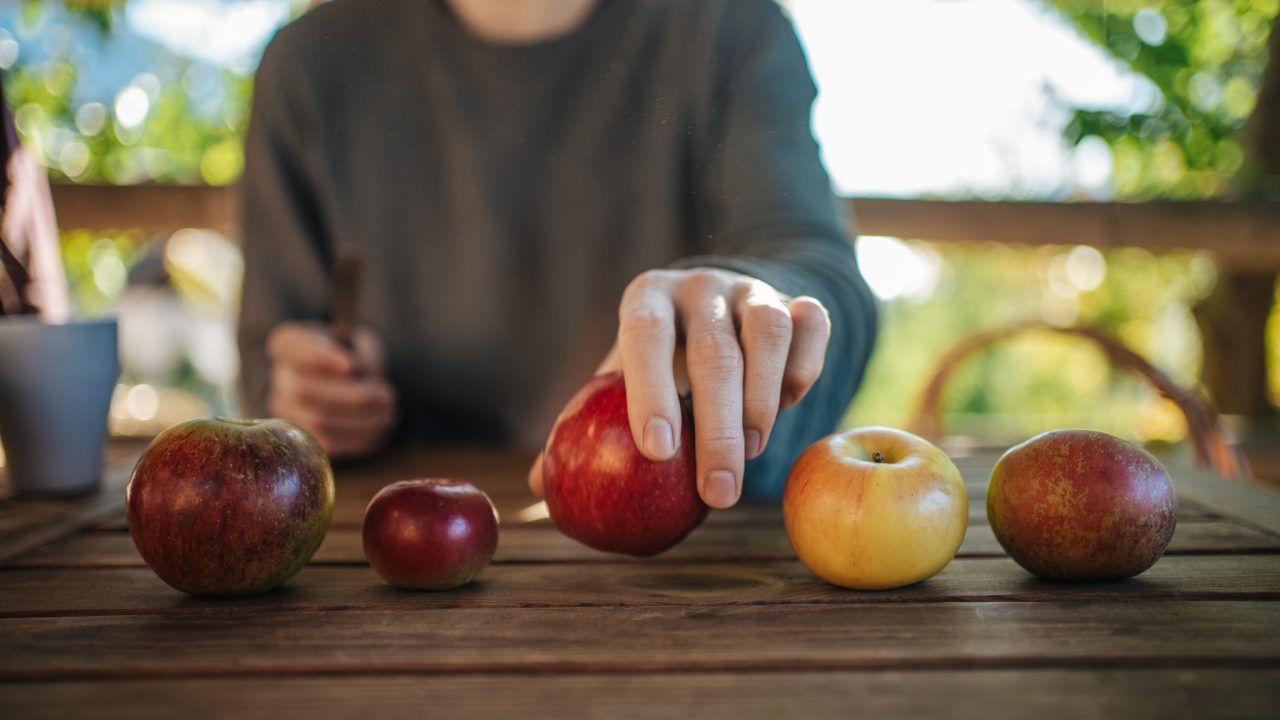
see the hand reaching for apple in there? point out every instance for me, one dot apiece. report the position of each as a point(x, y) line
point(748, 351)
point(339, 397)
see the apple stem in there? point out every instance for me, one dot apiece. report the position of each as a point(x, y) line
point(877, 457)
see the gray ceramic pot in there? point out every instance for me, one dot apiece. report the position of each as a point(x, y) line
point(55, 393)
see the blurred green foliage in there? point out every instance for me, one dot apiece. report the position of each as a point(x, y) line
point(98, 264)
point(1202, 60)
point(178, 120)
point(1205, 59)
point(1039, 381)
point(160, 136)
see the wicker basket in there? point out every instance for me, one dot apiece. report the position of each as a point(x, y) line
point(1204, 432)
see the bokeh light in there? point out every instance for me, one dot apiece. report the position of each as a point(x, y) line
point(143, 402)
point(1086, 268)
point(1053, 101)
point(73, 159)
point(1150, 26)
point(132, 105)
point(896, 269)
point(107, 266)
point(91, 118)
point(9, 49)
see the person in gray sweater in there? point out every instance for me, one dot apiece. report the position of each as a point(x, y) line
point(542, 190)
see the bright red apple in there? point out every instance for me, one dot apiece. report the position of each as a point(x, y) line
point(875, 508)
point(1081, 505)
point(603, 492)
point(430, 534)
point(219, 506)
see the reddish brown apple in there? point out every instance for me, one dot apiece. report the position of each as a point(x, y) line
point(229, 507)
point(1081, 505)
point(430, 534)
point(603, 492)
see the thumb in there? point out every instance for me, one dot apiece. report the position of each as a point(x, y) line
point(535, 477)
point(307, 347)
point(367, 352)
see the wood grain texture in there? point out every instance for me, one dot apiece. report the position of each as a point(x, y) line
point(1257, 505)
point(502, 475)
point(40, 593)
point(726, 623)
point(29, 524)
point(350, 515)
point(541, 542)
point(151, 208)
point(755, 637)
point(18, 515)
point(1233, 694)
point(1239, 233)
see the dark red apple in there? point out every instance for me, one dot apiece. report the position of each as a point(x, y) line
point(218, 506)
point(1081, 505)
point(602, 492)
point(430, 534)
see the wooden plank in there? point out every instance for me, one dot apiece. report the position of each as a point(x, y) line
point(351, 517)
point(349, 513)
point(152, 208)
point(753, 637)
point(501, 474)
point(1242, 234)
point(43, 593)
point(16, 516)
point(541, 542)
point(1257, 505)
point(1238, 233)
point(1042, 694)
point(511, 512)
point(354, 497)
point(30, 524)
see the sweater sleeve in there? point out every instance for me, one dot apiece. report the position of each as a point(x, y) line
point(768, 212)
point(285, 255)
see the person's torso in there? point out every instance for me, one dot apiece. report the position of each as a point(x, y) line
point(504, 196)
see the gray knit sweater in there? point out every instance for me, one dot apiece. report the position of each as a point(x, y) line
point(503, 197)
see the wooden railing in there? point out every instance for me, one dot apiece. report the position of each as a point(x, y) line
point(150, 208)
point(1244, 239)
point(1237, 234)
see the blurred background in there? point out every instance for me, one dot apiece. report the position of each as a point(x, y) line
point(983, 100)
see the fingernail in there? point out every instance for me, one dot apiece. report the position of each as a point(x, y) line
point(719, 489)
point(659, 439)
point(752, 439)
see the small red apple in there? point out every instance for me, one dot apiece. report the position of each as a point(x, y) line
point(603, 492)
point(1081, 505)
point(430, 534)
point(875, 508)
point(229, 507)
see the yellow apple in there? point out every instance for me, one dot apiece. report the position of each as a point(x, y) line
point(875, 508)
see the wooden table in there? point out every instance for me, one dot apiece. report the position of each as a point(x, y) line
point(727, 624)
